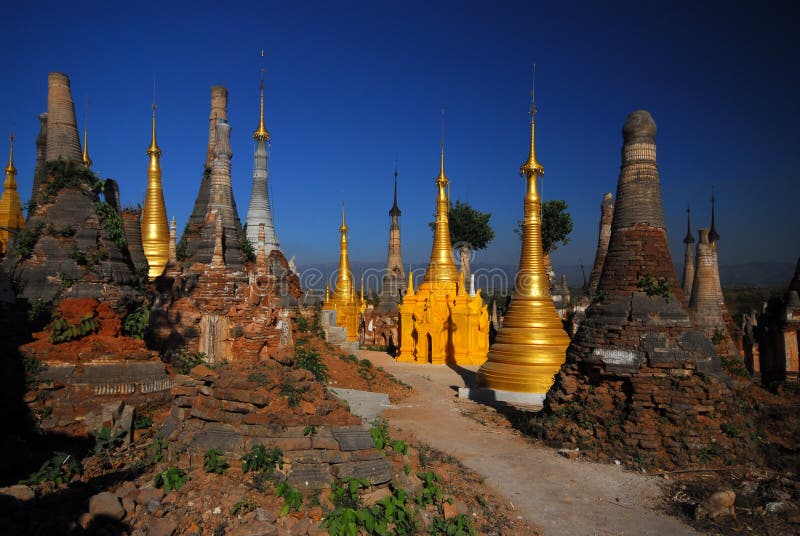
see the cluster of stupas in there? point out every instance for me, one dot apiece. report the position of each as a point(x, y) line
point(211, 295)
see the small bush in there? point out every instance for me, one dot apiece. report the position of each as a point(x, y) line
point(64, 331)
point(183, 361)
point(655, 287)
point(259, 459)
point(106, 440)
point(142, 422)
point(311, 361)
point(292, 498)
point(244, 506)
point(59, 469)
point(136, 323)
point(26, 240)
point(247, 249)
point(379, 433)
point(213, 462)
point(172, 479)
point(111, 222)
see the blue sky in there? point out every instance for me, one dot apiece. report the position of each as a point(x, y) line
point(352, 86)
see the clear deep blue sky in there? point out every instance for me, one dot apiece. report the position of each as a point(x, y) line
point(351, 86)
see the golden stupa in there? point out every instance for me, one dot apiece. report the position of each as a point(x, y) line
point(11, 218)
point(531, 346)
point(440, 323)
point(344, 300)
point(155, 229)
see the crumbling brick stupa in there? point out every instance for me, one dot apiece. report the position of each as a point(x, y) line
point(73, 243)
point(638, 378)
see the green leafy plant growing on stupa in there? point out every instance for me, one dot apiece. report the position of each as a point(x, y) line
point(292, 498)
point(25, 241)
point(111, 222)
point(213, 462)
point(247, 249)
point(59, 469)
point(136, 323)
point(64, 331)
point(655, 287)
point(259, 459)
point(106, 440)
point(308, 359)
point(173, 478)
point(718, 337)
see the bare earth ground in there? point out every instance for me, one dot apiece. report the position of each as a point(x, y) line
point(562, 496)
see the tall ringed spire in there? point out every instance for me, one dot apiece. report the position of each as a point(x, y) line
point(261, 133)
point(532, 165)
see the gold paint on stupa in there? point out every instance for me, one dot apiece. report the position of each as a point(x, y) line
point(344, 300)
point(531, 346)
point(11, 218)
point(155, 229)
point(440, 323)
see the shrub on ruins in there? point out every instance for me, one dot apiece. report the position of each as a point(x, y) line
point(655, 287)
point(292, 498)
point(63, 330)
point(173, 478)
point(310, 360)
point(66, 174)
point(261, 460)
point(247, 249)
point(26, 240)
point(136, 323)
point(59, 469)
point(213, 462)
point(183, 361)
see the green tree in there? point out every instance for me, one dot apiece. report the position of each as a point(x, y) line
point(556, 225)
point(469, 231)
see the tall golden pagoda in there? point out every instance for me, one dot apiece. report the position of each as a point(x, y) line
point(11, 218)
point(531, 346)
point(344, 301)
point(155, 229)
point(440, 323)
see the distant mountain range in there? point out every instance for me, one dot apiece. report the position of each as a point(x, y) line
point(488, 276)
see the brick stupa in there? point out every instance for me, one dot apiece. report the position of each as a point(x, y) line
point(606, 215)
point(637, 370)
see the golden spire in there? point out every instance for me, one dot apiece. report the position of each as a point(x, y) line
point(344, 283)
point(11, 218)
point(410, 289)
point(10, 169)
point(441, 267)
point(531, 346)
point(86, 160)
point(532, 165)
point(261, 133)
point(155, 229)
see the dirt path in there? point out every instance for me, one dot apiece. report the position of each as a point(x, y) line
point(564, 497)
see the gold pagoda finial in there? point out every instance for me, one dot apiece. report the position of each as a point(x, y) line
point(86, 160)
point(10, 169)
point(154, 149)
point(410, 289)
point(532, 165)
point(343, 228)
point(441, 266)
point(344, 291)
point(261, 133)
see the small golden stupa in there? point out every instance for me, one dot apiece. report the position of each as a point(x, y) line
point(344, 301)
point(11, 218)
point(155, 229)
point(440, 323)
point(531, 346)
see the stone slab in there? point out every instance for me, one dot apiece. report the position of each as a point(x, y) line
point(485, 394)
point(365, 404)
point(353, 438)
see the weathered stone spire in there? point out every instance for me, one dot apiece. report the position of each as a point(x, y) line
point(155, 229)
point(63, 140)
point(221, 199)
point(688, 257)
point(259, 212)
point(191, 235)
point(343, 293)
point(40, 171)
point(638, 343)
point(441, 266)
point(11, 218)
point(173, 237)
point(707, 304)
point(393, 280)
point(606, 215)
point(530, 346)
